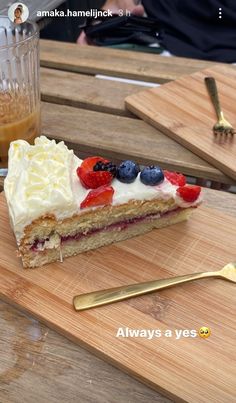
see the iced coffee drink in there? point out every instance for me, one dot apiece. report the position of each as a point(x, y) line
point(19, 85)
point(16, 122)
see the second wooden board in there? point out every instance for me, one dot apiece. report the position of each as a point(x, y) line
point(182, 109)
point(153, 337)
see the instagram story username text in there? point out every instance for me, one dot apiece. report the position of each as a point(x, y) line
point(92, 13)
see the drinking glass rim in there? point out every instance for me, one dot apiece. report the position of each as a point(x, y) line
point(36, 33)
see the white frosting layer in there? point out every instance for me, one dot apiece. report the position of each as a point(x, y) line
point(39, 182)
point(42, 180)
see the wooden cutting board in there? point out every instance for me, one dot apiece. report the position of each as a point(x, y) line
point(182, 109)
point(189, 369)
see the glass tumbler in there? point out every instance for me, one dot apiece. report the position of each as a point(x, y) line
point(19, 84)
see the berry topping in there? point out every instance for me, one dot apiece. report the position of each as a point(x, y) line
point(175, 179)
point(127, 171)
point(105, 166)
point(91, 179)
point(152, 175)
point(189, 193)
point(101, 196)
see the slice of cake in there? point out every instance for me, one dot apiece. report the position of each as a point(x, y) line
point(60, 206)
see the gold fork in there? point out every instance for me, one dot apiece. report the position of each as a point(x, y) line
point(104, 297)
point(222, 126)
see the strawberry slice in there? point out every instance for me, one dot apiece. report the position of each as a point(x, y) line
point(91, 179)
point(189, 193)
point(101, 196)
point(88, 163)
point(174, 178)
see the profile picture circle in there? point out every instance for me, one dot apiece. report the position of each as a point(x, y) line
point(18, 13)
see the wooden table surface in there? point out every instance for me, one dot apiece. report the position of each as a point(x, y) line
point(89, 113)
point(76, 68)
point(36, 363)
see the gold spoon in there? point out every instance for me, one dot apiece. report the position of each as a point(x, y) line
point(104, 297)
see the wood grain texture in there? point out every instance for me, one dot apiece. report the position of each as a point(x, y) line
point(222, 201)
point(183, 110)
point(91, 133)
point(87, 92)
point(186, 369)
point(114, 62)
point(39, 365)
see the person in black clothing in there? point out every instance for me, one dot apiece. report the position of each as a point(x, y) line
point(189, 28)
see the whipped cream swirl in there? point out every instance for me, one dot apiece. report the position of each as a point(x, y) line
point(38, 182)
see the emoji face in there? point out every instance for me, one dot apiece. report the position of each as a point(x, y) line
point(204, 332)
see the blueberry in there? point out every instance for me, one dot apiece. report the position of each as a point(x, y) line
point(105, 166)
point(127, 171)
point(152, 175)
